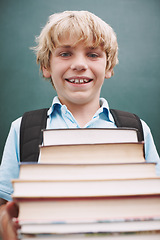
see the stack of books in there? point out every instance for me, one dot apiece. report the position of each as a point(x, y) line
point(89, 184)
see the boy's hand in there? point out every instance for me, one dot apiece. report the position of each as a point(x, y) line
point(8, 223)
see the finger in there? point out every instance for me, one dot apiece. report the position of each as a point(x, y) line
point(8, 231)
point(15, 223)
point(12, 209)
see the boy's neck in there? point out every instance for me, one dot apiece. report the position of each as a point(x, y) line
point(83, 113)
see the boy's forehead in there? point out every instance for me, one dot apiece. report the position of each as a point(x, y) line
point(73, 43)
point(74, 37)
point(68, 46)
point(77, 37)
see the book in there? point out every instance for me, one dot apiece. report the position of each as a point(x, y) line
point(93, 153)
point(88, 136)
point(85, 171)
point(88, 210)
point(118, 226)
point(89, 183)
point(146, 235)
point(85, 188)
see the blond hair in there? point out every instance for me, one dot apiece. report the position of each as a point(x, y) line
point(87, 28)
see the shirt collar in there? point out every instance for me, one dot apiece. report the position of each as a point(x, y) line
point(55, 103)
point(104, 107)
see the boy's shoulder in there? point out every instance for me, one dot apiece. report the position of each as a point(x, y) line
point(15, 126)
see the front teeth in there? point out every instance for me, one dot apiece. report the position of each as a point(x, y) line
point(78, 81)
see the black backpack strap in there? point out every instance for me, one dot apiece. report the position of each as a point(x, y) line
point(128, 120)
point(31, 135)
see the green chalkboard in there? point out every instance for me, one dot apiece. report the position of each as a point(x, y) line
point(135, 87)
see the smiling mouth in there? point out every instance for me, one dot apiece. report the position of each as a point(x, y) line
point(78, 81)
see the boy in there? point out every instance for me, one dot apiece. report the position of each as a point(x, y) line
point(76, 50)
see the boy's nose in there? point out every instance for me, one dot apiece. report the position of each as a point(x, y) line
point(79, 64)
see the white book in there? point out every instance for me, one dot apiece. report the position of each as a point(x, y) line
point(131, 236)
point(95, 227)
point(88, 136)
point(85, 188)
point(84, 171)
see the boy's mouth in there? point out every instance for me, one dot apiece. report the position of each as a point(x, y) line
point(78, 80)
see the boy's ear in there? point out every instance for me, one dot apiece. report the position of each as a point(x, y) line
point(108, 74)
point(46, 72)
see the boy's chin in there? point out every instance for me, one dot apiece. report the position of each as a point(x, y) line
point(80, 99)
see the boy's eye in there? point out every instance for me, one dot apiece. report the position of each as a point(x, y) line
point(93, 55)
point(65, 54)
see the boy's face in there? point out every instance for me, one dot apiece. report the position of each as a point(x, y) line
point(77, 72)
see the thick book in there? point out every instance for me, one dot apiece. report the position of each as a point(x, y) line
point(93, 153)
point(88, 209)
point(85, 188)
point(85, 171)
point(88, 136)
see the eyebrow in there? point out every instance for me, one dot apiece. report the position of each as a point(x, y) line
point(68, 46)
point(92, 48)
point(64, 46)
